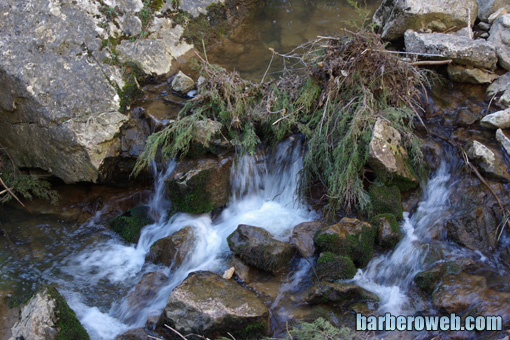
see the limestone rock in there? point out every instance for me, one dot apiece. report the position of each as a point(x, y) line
point(257, 247)
point(500, 119)
point(42, 317)
point(490, 164)
point(466, 74)
point(500, 89)
point(349, 237)
point(302, 237)
point(499, 35)
point(182, 83)
point(199, 186)
point(172, 250)
point(211, 306)
point(488, 7)
point(395, 17)
point(338, 293)
point(387, 157)
point(504, 140)
point(462, 50)
point(497, 14)
point(132, 25)
point(58, 105)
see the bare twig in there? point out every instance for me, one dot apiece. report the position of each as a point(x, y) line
point(288, 332)
point(13, 195)
point(231, 336)
point(431, 62)
point(176, 332)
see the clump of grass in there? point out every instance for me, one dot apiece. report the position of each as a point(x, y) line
point(331, 89)
point(321, 329)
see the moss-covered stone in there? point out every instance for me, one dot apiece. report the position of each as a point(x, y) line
point(427, 280)
point(199, 186)
point(128, 225)
point(68, 324)
point(386, 200)
point(255, 330)
point(388, 231)
point(338, 293)
point(349, 237)
point(334, 267)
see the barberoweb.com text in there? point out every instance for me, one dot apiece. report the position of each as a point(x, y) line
point(453, 322)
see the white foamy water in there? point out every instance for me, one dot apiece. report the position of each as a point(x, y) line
point(390, 275)
point(264, 195)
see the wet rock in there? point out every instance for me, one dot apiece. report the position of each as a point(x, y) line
point(489, 7)
point(172, 250)
point(467, 74)
point(387, 157)
point(327, 292)
point(504, 140)
point(349, 237)
point(199, 186)
point(499, 35)
point(474, 229)
point(388, 231)
point(182, 83)
point(427, 280)
point(257, 247)
point(302, 237)
point(457, 292)
point(156, 53)
point(386, 200)
point(47, 316)
point(146, 289)
point(495, 303)
point(484, 26)
point(134, 334)
point(500, 89)
point(462, 50)
point(500, 119)
point(432, 150)
point(395, 17)
point(333, 267)
point(245, 272)
point(129, 225)
point(489, 163)
point(209, 305)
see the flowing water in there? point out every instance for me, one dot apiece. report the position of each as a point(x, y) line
point(264, 195)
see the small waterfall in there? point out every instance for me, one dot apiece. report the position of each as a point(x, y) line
point(264, 195)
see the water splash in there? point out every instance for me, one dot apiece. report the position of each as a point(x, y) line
point(264, 195)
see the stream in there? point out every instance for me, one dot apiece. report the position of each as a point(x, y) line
point(96, 270)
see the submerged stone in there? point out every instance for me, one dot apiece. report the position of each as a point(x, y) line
point(257, 247)
point(211, 306)
point(334, 292)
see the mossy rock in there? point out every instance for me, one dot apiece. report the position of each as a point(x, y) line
point(338, 293)
point(427, 280)
point(334, 267)
point(388, 231)
point(68, 324)
point(129, 225)
point(349, 237)
point(200, 186)
point(386, 199)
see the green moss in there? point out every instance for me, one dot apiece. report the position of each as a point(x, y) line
point(386, 200)
point(255, 330)
point(427, 280)
point(68, 324)
point(16, 300)
point(334, 267)
point(388, 241)
point(193, 199)
point(128, 226)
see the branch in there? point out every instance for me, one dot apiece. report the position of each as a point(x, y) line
point(16, 197)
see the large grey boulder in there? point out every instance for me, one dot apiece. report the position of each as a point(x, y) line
point(489, 163)
point(462, 50)
point(499, 35)
point(209, 305)
point(394, 17)
point(487, 7)
point(500, 89)
point(58, 105)
point(47, 316)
